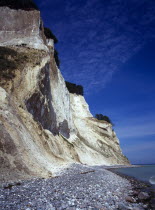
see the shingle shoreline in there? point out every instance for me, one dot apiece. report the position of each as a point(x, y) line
point(76, 187)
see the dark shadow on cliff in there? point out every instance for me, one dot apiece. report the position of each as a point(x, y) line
point(8, 63)
point(40, 103)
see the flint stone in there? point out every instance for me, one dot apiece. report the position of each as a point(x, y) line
point(143, 196)
point(135, 193)
point(130, 199)
point(122, 206)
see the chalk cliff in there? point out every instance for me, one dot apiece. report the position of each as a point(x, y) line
point(43, 127)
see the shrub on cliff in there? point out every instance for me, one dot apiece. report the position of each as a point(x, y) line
point(7, 63)
point(103, 117)
point(49, 34)
point(73, 88)
point(56, 57)
point(19, 4)
point(12, 59)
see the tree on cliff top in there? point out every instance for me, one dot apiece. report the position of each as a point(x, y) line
point(103, 117)
point(19, 4)
point(73, 88)
point(56, 57)
point(49, 34)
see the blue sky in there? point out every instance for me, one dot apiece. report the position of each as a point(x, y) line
point(108, 46)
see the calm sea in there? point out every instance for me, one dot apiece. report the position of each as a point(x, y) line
point(143, 173)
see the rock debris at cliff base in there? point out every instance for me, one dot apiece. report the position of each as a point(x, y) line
point(78, 187)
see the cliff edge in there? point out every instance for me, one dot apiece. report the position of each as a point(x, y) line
point(43, 127)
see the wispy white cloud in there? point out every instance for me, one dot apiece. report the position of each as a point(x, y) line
point(102, 36)
point(144, 129)
point(97, 37)
point(142, 146)
point(142, 125)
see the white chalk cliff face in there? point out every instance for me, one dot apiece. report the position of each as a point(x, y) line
point(99, 142)
point(42, 126)
point(21, 28)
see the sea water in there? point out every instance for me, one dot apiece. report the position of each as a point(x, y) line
point(143, 173)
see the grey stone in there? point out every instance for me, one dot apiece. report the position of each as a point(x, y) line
point(135, 192)
point(122, 206)
point(137, 208)
point(143, 196)
point(130, 199)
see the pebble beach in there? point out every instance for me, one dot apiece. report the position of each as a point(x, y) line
point(76, 187)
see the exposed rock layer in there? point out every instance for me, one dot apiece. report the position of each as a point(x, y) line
point(20, 27)
point(43, 126)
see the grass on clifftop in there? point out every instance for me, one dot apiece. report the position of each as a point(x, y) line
point(17, 58)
